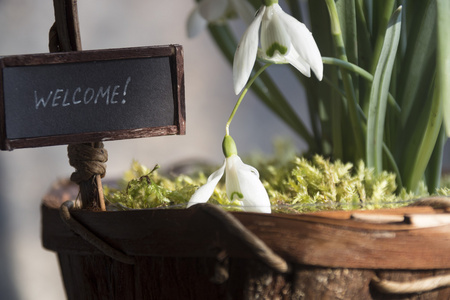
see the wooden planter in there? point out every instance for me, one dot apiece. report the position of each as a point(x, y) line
point(206, 253)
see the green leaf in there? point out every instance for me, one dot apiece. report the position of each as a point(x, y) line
point(364, 38)
point(379, 93)
point(361, 72)
point(324, 119)
point(443, 58)
point(423, 141)
point(434, 167)
point(417, 68)
point(381, 18)
point(352, 106)
point(347, 15)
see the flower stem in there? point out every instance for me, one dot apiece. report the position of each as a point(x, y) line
point(244, 91)
point(264, 87)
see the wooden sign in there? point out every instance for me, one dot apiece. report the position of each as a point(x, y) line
point(89, 96)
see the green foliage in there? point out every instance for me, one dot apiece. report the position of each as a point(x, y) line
point(385, 89)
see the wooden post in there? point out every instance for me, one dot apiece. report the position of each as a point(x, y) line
point(66, 26)
point(64, 37)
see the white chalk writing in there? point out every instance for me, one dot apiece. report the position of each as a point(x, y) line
point(96, 95)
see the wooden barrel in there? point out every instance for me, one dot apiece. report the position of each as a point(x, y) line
point(207, 253)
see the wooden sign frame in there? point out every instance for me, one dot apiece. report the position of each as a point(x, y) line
point(175, 54)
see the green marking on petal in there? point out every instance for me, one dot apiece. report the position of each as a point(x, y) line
point(237, 194)
point(274, 47)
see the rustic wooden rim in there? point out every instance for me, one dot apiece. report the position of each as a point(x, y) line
point(233, 226)
point(312, 239)
point(90, 237)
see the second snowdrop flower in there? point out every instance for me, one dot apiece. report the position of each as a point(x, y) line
point(283, 40)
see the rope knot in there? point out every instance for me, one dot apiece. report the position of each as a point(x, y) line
point(87, 161)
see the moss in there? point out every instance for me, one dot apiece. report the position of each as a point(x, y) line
point(141, 188)
point(318, 184)
point(294, 184)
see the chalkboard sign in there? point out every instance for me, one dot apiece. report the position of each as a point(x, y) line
point(89, 96)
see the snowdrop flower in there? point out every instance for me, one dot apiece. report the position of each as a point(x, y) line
point(211, 11)
point(241, 180)
point(283, 40)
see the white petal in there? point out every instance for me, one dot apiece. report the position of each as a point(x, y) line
point(244, 9)
point(245, 55)
point(231, 179)
point(195, 23)
point(303, 42)
point(203, 194)
point(297, 61)
point(213, 10)
point(274, 37)
point(255, 198)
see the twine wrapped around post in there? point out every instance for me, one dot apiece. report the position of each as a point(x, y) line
point(89, 163)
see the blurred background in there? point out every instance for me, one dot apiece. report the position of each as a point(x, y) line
point(27, 271)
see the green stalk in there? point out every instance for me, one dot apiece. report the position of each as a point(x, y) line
point(361, 72)
point(244, 92)
point(347, 15)
point(347, 81)
point(383, 20)
point(266, 90)
point(390, 158)
point(313, 100)
point(364, 44)
point(337, 114)
point(365, 47)
point(321, 100)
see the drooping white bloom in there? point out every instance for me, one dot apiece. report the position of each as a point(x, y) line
point(242, 184)
point(283, 39)
point(211, 11)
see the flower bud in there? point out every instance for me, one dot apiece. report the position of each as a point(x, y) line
point(229, 146)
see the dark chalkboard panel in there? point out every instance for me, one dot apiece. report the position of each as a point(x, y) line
point(90, 96)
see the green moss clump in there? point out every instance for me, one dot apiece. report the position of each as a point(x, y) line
point(294, 185)
point(144, 188)
point(318, 184)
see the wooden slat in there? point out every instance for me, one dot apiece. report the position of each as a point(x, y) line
point(95, 136)
point(303, 239)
